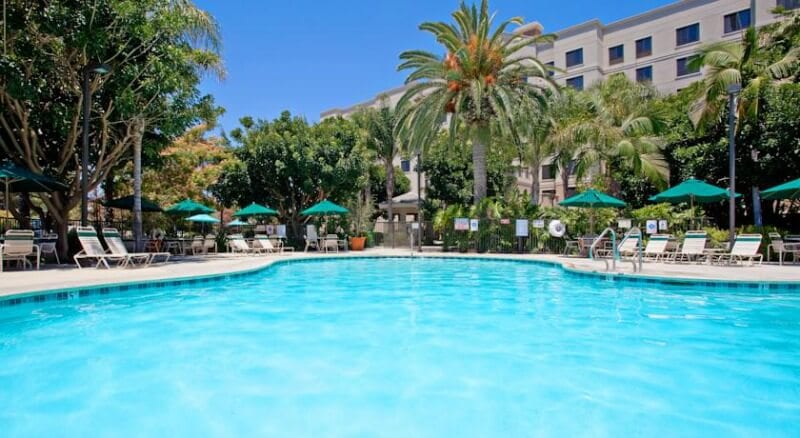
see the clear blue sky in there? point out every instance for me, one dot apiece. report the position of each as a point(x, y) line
point(311, 55)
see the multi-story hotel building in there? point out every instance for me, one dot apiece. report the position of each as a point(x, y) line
point(655, 46)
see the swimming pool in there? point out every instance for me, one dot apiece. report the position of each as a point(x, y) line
point(401, 347)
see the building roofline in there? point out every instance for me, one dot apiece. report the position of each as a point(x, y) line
point(366, 103)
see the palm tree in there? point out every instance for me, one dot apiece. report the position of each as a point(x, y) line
point(482, 78)
point(379, 137)
point(751, 64)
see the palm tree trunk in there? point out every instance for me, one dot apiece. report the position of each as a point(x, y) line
point(535, 182)
point(137, 185)
point(565, 180)
point(389, 195)
point(480, 144)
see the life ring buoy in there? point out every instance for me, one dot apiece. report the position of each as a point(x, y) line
point(557, 229)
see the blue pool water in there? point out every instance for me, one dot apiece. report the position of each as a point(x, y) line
point(404, 347)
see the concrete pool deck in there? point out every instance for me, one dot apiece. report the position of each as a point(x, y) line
point(16, 282)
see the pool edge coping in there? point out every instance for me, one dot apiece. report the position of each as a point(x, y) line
point(71, 292)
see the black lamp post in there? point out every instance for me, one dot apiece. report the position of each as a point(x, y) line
point(90, 69)
point(419, 200)
point(733, 92)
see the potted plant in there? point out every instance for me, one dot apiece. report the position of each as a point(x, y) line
point(359, 241)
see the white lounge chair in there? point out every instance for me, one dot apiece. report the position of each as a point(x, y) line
point(331, 242)
point(93, 250)
point(196, 246)
point(239, 246)
point(745, 247)
point(117, 246)
point(265, 243)
point(312, 239)
point(693, 248)
point(18, 246)
point(656, 248)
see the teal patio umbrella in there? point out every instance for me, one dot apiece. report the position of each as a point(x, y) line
point(255, 210)
point(592, 199)
point(789, 190)
point(324, 208)
point(693, 191)
point(202, 219)
point(18, 179)
point(126, 203)
point(189, 207)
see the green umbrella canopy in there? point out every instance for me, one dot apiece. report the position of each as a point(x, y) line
point(187, 206)
point(126, 203)
point(18, 179)
point(789, 190)
point(592, 199)
point(203, 219)
point(236, 223)
point(692, 190)
point(255, 210)
point(324, 208)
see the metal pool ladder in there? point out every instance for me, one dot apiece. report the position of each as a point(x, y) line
point(615, 251)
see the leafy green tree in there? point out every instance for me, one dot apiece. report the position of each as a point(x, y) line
point(291, 165)
point(377, 183)
point(153, 49)
point(479, 83)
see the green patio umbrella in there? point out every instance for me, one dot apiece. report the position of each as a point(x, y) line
point(18, 179)
point(692, 191)
point(126, 203)
point(255, 210)
point(324, 208)
point(592, 199)
point(202, 219)
point(187, 206)
point(789, 190)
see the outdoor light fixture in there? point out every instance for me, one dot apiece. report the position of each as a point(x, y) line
point(733, 92)
point(88, 71)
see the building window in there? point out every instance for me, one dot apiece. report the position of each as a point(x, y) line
point(644, 74)
point(405, 165)
point(576, 82)
point(736, 21)
point(687, 34)
point(550, 64)
point(616, 54)
point(574, 57)
point(644, 47)
point(684, 67)
point(788, 4)
point(548, 171)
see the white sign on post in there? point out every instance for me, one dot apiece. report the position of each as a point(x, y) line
point(624, 223)
point(473, 225)
point(415, 225)
point(280, 230)
point(652, 227)
point(662, 225)
point(522, 228)
point(538, 223)
point(270, 229)
point(461, 224)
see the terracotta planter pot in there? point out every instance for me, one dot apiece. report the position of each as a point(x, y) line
point(357, 243)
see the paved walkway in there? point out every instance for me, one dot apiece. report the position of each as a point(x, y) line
point(16, 282)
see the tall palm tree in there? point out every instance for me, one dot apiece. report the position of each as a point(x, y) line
point(750, 63)
point(380, 138)
point(482, 77)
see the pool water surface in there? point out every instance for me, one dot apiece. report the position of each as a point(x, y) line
point(404, 347)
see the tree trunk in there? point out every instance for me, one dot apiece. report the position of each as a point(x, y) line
point(137, 186)
point(565, 181)
point(535, 182)
point(389, 195)
point(480, 144)
point(108, 188)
